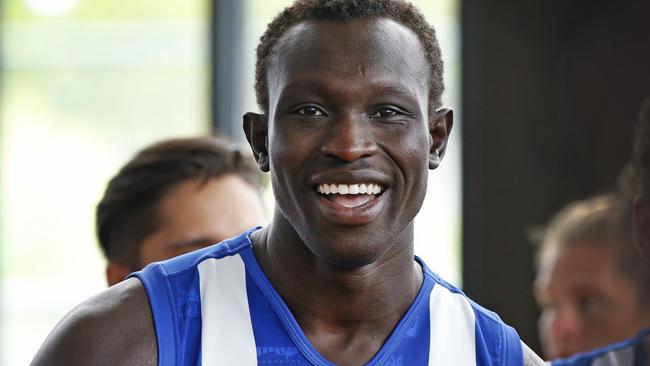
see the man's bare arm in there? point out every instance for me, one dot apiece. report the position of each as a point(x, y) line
point(112, 328)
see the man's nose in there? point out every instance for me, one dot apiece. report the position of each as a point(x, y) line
point(350, 138)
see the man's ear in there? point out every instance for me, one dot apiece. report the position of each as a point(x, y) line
point(642, 225)
point(256, 129)
point(115, 272)
point(440, 125)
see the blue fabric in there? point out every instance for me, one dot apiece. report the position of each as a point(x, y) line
point(163, 314)
point(174, 295)
point(397, 350)
point(496, 342)
point(173, 290)
point(490, 350)
point(636, 343)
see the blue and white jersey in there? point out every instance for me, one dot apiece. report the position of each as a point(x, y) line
point(216, 306)
point(632, 352)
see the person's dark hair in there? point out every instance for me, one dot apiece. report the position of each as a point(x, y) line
point(349, 10)
point(642, 148)
point(601, 221)
point(128, 211)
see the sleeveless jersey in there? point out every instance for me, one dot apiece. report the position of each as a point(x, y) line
point(216, 306)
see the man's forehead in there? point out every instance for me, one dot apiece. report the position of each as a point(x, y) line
point(362, 41)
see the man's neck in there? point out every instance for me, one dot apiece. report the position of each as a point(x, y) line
point(365, 302)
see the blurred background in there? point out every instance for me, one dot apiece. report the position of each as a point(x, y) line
point(87, 83)
point(545, 94)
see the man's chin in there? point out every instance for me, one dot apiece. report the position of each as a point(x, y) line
point(350, 255)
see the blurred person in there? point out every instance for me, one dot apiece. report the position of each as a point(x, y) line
point(591, 285)
point(174, 197)
point(351, 123)
point(634, 351)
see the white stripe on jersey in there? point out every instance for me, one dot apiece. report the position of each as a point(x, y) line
point(227, 332)
point(451, 337)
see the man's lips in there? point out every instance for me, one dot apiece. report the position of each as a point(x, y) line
point(351, 189)
point(350, 204)
point(348, 179)
point(349, 195)
point(351, 201)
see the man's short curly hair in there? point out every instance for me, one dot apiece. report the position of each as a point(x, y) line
point(345, 11)
point(642, 148)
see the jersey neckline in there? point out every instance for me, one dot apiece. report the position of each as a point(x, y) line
point(300, 339)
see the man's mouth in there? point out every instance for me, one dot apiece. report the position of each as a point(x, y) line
point(350, 195)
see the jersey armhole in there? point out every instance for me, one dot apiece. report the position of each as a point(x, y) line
point(513, 352)
point(162, 311)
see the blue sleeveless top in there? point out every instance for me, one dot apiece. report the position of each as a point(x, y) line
point(216, 306)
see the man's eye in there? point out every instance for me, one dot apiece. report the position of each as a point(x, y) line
point(310, 111)
point(384, 113)
point(590, 304)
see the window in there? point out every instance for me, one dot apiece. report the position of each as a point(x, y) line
point(85, 84)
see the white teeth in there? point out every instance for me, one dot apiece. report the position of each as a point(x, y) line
point(344, 189)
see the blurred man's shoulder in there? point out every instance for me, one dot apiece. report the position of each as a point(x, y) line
point(631, 352)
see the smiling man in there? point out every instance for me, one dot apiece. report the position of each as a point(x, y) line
point(351, 123)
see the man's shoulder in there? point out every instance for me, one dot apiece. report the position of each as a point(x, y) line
point(479, 312)
point(631, 352)
point(113, 327)
point(494, 340)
